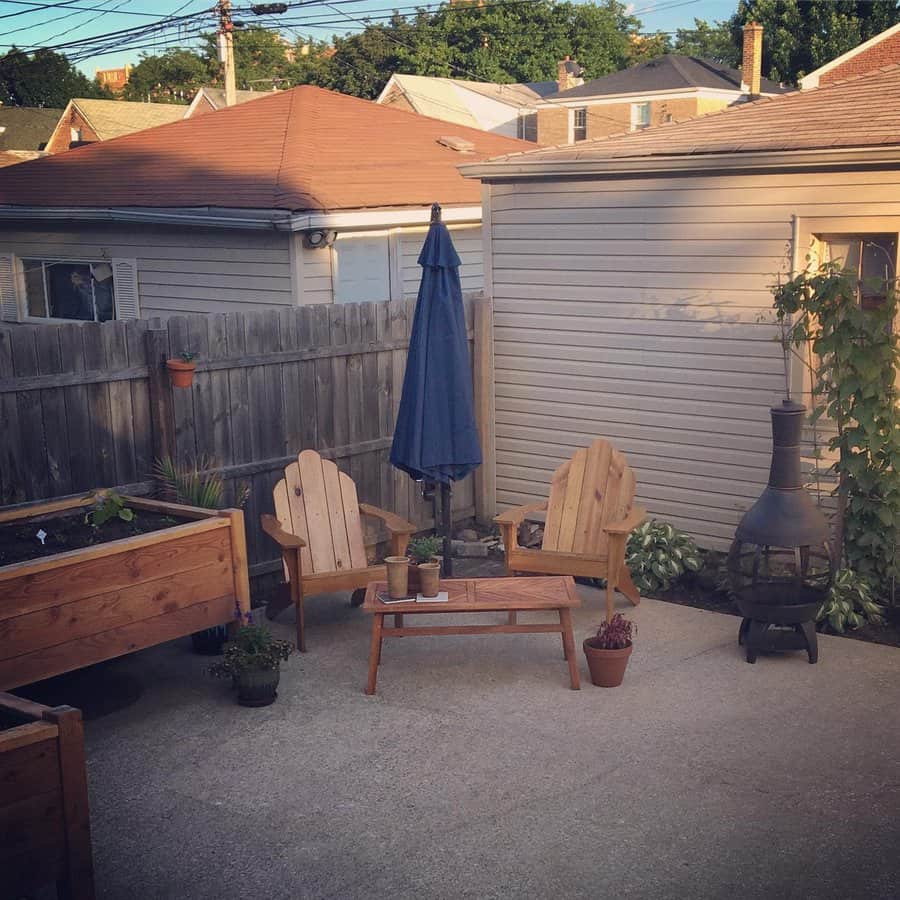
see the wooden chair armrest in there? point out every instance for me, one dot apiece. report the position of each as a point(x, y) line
point(517, 514)
point(287, 541)
point(395, 524)
point(629, 523)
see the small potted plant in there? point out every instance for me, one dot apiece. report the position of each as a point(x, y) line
point(181, 370)
point(252, 661)
point(423, 551)
point(608, 651)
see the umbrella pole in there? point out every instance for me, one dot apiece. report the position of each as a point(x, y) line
point(446, 525)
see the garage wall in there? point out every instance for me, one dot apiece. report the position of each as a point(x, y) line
point(180, 270)
point(640, 310)
point(388, 258)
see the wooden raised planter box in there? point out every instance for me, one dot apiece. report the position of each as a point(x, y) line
point(45, 832)
point(73, 609)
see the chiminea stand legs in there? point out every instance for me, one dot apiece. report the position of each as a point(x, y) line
point(756, 636)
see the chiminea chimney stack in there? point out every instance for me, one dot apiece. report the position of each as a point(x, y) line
point(751, 65)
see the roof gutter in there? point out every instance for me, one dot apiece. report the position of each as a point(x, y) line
point(257, 220)
point(521, 168)
point(386, 217)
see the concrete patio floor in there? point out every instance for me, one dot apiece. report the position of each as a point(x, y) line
point(476, 772)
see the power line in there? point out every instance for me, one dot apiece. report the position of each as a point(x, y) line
point(65, 4)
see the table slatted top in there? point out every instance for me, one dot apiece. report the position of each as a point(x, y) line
point(486, 595)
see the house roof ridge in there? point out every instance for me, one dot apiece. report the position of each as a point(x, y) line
point(306, 149)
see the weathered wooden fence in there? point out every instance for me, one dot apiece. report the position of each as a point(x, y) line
point(89, 405)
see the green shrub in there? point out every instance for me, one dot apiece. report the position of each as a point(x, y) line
point(658, 553)
point(850, 604)
point(422, 549)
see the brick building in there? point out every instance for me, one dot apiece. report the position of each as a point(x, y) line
point(881, 50)
point(667, 89)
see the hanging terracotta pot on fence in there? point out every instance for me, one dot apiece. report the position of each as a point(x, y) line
point(181, 373)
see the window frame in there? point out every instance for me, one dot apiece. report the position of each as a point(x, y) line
point(576, 111)
point(57, 320)
point(636, 118)
point(826, 239)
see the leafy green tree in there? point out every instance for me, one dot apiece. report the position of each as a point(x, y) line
point(172, 77)
point(499, 43)
point(262, 58)
point(801, 35)
point(709, 41)
point(362, 63)
point(43, 78)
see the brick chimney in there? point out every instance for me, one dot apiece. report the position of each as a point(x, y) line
point(568, 74)
point(751, 64)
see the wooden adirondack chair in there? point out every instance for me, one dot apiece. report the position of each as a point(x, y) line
point(317, 524)
point(590, 514)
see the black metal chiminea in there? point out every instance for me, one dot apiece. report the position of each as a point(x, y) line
point(779, 565)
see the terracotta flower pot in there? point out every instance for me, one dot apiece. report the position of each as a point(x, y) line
point(607, 666)
point(397, 576)
point(181, 373)
point(257, 687)
point(429, 579)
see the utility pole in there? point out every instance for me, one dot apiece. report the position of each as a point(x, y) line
point(226, 50)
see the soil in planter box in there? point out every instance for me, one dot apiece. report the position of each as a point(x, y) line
point(19, 541)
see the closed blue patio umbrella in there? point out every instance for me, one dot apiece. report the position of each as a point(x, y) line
point(436, 438)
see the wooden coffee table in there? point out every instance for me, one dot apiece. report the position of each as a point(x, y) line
point(479, 595)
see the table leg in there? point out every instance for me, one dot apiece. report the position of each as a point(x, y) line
point(374, 652)
point(398, 622)
point(565, 620)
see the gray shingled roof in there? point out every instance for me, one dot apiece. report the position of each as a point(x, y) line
point(26, 127)
point(666, 73)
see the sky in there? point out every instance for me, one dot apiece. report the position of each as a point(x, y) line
point(31, 23)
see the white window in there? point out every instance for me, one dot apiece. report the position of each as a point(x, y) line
point(870, 258)
point(579, 124)
point(527, 130)
point(640, 116)
point(74, 135)
point(362, 269)
point(57, 289)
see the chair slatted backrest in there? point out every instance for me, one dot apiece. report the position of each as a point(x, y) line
point(593, 489)
point(318, 502)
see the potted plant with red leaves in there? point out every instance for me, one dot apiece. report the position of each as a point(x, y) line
point(252, 660)
point(181, 370)
point(608, 651)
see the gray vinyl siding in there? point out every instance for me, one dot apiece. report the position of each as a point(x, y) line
point(468, 242)
point(318, 269)
point(640, 310)
point(316, 280)
point(180, 270)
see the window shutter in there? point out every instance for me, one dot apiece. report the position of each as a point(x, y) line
point(9, 301)
point(125, 288)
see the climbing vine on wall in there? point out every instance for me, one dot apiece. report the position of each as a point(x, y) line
point(856, 357)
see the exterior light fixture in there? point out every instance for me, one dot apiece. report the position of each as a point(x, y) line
point(318, 237)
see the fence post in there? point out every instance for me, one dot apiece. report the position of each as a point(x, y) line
point(162, 418)
point(485, 474)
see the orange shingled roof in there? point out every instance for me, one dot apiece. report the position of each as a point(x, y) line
point(862, 112)
point(302, 149)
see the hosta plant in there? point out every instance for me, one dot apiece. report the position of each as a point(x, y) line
point(658, 553)
point(850, 604)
